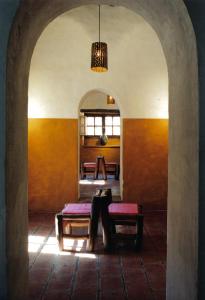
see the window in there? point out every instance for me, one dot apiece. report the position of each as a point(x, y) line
point(112, 125)
point(95, 124)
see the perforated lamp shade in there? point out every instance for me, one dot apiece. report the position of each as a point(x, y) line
point(99, 57)
point(99, 54)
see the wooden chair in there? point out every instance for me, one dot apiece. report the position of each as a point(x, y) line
point(128, 214)
point(81, 215)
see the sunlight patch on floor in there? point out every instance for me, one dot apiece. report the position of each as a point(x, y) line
point(50, 246)
point(35, 242)
point(92, 182)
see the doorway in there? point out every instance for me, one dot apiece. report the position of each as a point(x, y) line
point(100, 140)
point(183, 137)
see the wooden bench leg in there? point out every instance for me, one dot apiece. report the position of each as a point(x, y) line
point(92, 234)
point(96, 173)
point(113, 227)
point(82, 175)
point(107, 229)
point(117, 172)
point(139, 235)
point(104, 174)
point(59, 230)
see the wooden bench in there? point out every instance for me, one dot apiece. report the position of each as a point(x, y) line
point(128, 214)
point(113, 168)
point(94, 168)
point(87, 168)
point(74, 215)
point(88, 214)
point(78, 215)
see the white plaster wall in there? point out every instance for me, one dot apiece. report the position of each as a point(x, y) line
point(96, 100)
point(60, 72)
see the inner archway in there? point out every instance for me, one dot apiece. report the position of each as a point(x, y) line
point(100, 137)
point(180, 50)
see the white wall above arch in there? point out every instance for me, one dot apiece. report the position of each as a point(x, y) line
point(60, 68)
point(97, 99)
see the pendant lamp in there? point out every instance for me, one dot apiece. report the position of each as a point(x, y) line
point(99, 54)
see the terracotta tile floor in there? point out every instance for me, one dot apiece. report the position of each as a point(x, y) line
point(74, 275)
point(88, 186)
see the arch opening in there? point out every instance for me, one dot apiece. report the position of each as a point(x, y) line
point(100, 138)
point(182, 149)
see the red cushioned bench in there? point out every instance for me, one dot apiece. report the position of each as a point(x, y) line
point(81, 215)
point(73, 215)
point(87, 215)
point(113, 168)
point(87, 168)
point(128, 214)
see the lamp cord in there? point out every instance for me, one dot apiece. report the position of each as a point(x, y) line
point(99, 23)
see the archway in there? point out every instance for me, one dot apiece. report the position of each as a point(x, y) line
point(94, 106)
point(178, 41)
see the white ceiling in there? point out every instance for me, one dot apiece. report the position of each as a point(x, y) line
point(60, 72)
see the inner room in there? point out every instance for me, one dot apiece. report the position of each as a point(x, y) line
point(71, 124)
point(99, 124)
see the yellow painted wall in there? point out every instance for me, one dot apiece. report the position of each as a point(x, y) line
point(53, 163)
point(145, 162)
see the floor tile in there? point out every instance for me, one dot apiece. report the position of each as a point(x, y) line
point(123, 274)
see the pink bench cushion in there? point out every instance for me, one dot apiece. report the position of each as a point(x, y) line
point(114, 209)
point(77, 209)
point(117, 209)
point(114, 164)
point(89, 165)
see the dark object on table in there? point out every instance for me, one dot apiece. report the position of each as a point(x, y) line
point(103, 140)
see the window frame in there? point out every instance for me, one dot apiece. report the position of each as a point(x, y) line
point(99, 113)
